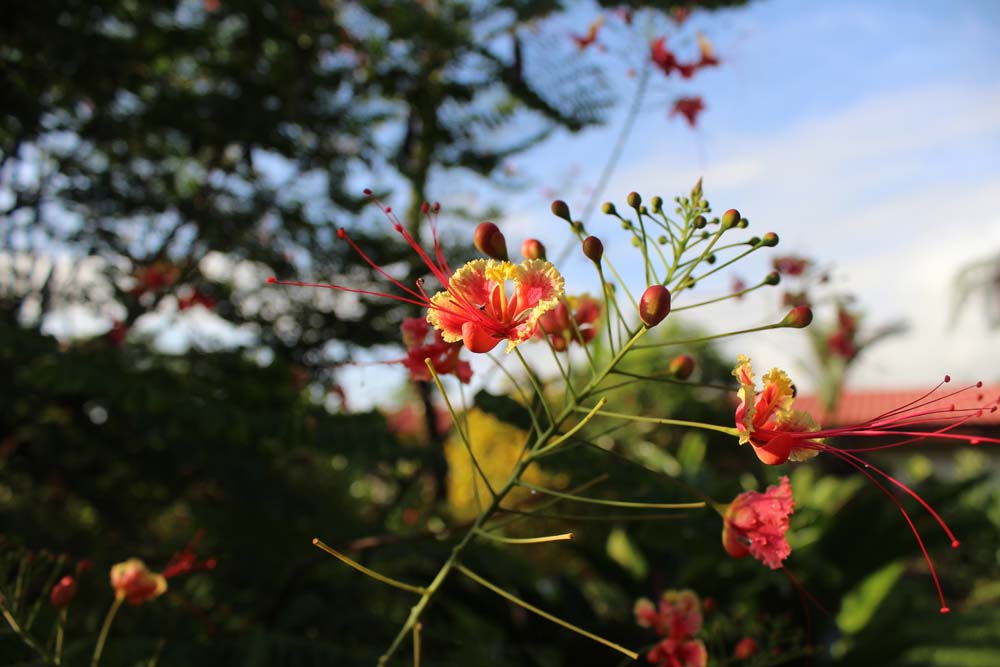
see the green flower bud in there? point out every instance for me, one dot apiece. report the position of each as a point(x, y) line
point(770, 240)
point(773, 278)
point(608, 208)
point(700, 222)
point(730, 218)
point(656, 204)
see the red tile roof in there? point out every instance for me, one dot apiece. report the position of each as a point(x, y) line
point(861, 404)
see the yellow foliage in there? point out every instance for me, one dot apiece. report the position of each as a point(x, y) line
point(497, 446)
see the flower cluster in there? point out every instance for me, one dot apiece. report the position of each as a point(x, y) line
point(677, 618)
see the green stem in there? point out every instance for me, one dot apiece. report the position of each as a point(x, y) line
point(702, 339)
point(670, 422)
point(105, 628)
point(614, 503)
point(25, 637)
point(452, 562)
point(524, 540)
point(364, 570)
point(544, 614)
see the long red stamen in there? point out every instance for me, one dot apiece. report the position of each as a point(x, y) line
point(341, 233)
point(294, 283)
point(862, 469)
point(913, 494)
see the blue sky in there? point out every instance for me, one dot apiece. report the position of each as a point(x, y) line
point(867, 135)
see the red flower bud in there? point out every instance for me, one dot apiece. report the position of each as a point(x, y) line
point(634, 199)
point(745, 648)
point(561, 210)
point(681, 366)
point(533, 249)
point(490, 241)
point(798, 317)
point(593, 249)
point(63, 592)
point(654, 305)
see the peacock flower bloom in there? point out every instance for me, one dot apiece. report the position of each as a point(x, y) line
point(474, 307)
point(677, 615)
point(689, 107)
point(778, 434)
point(135, 583)
point(677, 618)
point(573, 320)
point(678, 653)
point(755, 523)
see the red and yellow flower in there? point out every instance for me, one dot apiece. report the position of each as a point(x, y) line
point(755, 523)
point(475, 306)
point(777, 434)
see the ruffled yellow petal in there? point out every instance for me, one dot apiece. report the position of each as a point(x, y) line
point(500, 272)
point(441, 317)
point(745, 412)
point(784, 393)
point(539, 286)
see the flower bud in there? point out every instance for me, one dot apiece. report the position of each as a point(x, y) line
point(533, 249)
point(730, 218)
point(743, 223)
point(63, 592)
point(608, 208)
point(745, 648)
point(560, 209)
point(656, 204)
point(753, 241)
point(770, 240)
point(681, 366)
point(490, 241)
point(798, 317)
point(634, 200)
point(700, 222)
point(593, 249)
point(654, 305)
point(773, 278)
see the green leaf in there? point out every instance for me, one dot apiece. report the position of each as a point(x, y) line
point(861, 603)
point(623, 551)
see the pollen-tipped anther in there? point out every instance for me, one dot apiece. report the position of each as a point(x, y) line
point(654, 305)
point(490, 241)
point(798, 317)
point(271, 280)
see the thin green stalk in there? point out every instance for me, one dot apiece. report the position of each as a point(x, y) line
point(701, 339)
point(670, 422)
point(733, 295)
point(25, 637)
point(452, 562)
point(366, 571)
point(544, 614)
point(60, 630)
point(462, 434)
point(614, 503)
point(524, 540)
point(105, 628)
point(534, 382)
point(573, 431)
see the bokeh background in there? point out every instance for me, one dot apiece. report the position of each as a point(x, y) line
point(159, 160)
